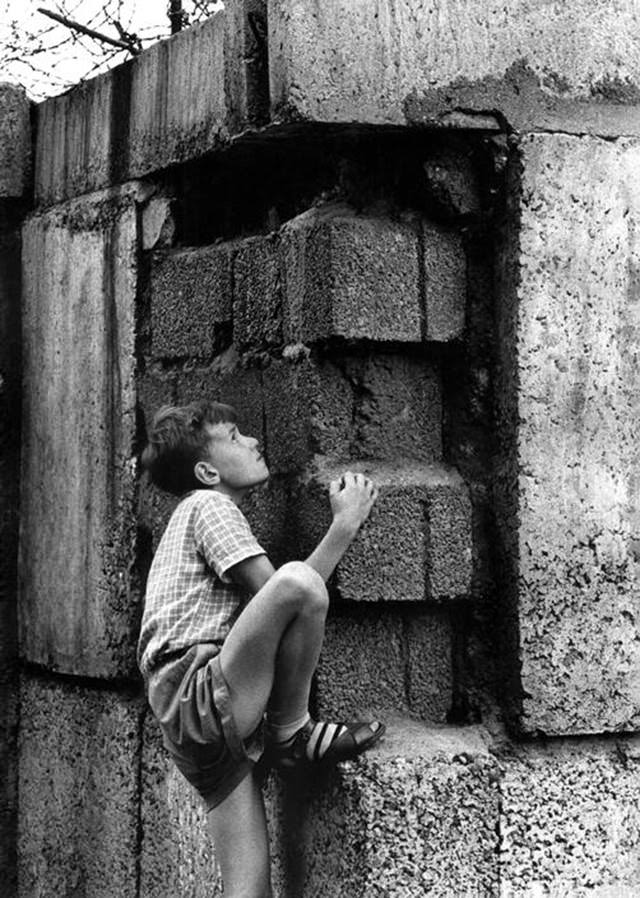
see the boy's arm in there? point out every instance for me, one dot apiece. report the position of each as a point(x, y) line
point(351, 499)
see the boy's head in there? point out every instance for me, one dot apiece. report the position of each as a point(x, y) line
point(199, 446)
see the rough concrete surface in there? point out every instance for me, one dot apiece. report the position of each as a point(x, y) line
point(350, 276)
point(445, 283)
point(177, 100)
point(191, 299)
point(379, 662)
point(257, 303)
point(78, 609)
point(416, 543)
point(15, 141)
point(571, 340)
point(454, 64)
point(78, 818)
point(570, 823)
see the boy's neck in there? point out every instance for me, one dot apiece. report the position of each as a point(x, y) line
point(236, 495)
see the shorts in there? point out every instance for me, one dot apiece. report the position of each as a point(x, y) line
point(190, 698)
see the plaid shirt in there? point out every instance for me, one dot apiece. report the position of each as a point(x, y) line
point(190, 598)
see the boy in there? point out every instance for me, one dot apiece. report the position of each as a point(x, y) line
point(214, 662)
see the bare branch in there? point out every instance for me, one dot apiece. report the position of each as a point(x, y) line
point(75, 26)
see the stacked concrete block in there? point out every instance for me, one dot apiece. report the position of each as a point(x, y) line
point(445, 283)
point(190, 298)
point(78, 608)
point(422, 516)
point(179, 99)
point(79, 758)
point(570, 337)
point(384, 663)
point(257, 303)
point(534, 66)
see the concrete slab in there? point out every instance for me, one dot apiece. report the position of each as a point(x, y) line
point(567, 481)
point(177, 100)
point(16, 152)
point(78, 608)
point(78, 817)
point(451, 65)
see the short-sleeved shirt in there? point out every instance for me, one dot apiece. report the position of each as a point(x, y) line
point(190, 598)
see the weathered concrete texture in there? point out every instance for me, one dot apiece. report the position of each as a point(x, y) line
point(422, 516)
point(308, 409)
point(257, 303)
point(445, 283)
point(454, 65)
point(413, 817)
point(177, 100)
point(190, 298)
point(77, 592)
point(79, 758)
point(15, 141)
point(570, 320)
point(380, 663)
point(570, 823)
point(350, 276)
point(176, 854)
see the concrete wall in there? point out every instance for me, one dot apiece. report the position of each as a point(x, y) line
point(447, 303)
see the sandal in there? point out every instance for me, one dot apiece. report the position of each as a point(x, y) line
point(324, 744)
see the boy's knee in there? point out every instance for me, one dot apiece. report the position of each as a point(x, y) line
point(298, 581)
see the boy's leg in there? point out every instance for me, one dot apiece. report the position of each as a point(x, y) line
point(273, 648)
point(239, 831)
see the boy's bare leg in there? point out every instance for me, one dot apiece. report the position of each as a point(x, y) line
point(239, 831)
point(274, 646)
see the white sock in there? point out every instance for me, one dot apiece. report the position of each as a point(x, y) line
point(285, 731)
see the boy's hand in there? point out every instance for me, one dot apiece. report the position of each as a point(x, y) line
point(352, 497)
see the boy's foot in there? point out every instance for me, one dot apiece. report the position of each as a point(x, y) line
point(324, 744)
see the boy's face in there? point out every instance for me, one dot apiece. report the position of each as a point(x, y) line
point(236, 458)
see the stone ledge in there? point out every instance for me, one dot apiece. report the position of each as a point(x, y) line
point(422, 516)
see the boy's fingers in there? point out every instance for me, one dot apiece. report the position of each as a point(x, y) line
point(334, 487)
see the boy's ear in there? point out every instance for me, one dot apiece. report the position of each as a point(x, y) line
point(206, 473)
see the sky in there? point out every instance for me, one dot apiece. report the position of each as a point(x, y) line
point(47, 58)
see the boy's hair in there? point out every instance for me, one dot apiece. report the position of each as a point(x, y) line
point(177, 440)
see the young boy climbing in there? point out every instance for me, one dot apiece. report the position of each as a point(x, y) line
point(226, 640)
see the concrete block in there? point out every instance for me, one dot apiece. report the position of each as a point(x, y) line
point(191, 301)
point(308, 409)
point(569, 820)
point(158, 224)
point(350, 276)
point(415, 816)
point(378, 664)
point(419, 63)
point(79, 759)
point(416, 543)
point(567, 417)
point(77, 581)
point(177, 100)
point(227, 381)
point(15, 141)
point(267, 510)
point(398, 406)
point(257, 302)
point(445, 283)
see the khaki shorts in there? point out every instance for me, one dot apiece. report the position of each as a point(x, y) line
point(190, 698)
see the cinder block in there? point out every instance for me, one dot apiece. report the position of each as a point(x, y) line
point(179, 99)
point(398, 406)
point(77, 605)
point(445, 283)
point(415, 816)
point(267, 510)
point(226, 380)
point(534, 63)
point(416, 543)
point(257, 303)
point(155, 388)
point(569, 820)
point(308, 409)
point(15, 141)
point(78, 815)
point(350, 276)
point(567, 417)
point(380, 663)
point(191, 300)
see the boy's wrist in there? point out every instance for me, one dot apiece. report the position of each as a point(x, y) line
point(344, 527)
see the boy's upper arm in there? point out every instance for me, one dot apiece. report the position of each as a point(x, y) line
point(252, 573)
